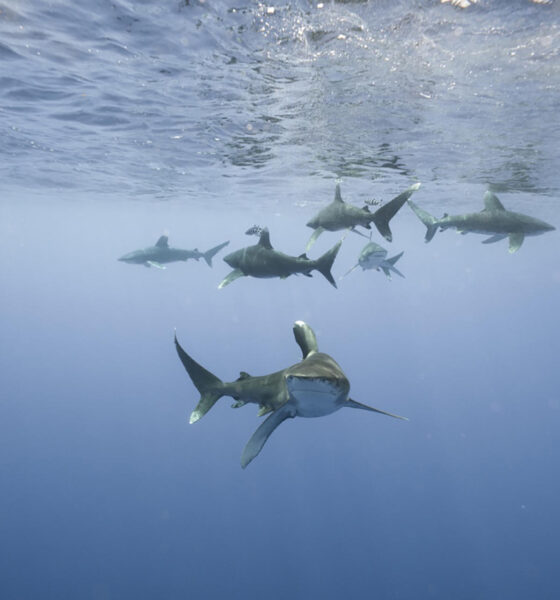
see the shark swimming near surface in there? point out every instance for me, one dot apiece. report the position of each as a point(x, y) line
point(263, 261)
point(374, 256)
point(161, 252)
point(339, 215)
point(492, 220)
point(314, 387)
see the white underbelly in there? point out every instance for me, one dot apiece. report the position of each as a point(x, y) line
point(314, 397)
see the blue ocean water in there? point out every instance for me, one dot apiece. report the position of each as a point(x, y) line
point(124, 120)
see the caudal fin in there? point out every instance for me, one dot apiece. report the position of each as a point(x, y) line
point(209, 386)
point(325, 263)
point(388, 266)
point(382, 216)
point(209, 254)
point(430, 222)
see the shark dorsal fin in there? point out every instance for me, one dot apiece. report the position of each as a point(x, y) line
point(264, 239)
point(243, 375)
point(491, 202)
point(337, 194)
point(305, 338)
point(162, 242)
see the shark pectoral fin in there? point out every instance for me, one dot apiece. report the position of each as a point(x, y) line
point(258, 439)
point(353, 404)
point(495, 238)
point(313, 238)
point(515, 241)
point(153, 263)
point(235, 274)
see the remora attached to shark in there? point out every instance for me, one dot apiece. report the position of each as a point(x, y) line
point(263, 261)
point(161, 253)
point(339, 215)
point(493, 219)
point(374, 256)
point(314, 387)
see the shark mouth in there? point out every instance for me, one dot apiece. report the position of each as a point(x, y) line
point(315, 396)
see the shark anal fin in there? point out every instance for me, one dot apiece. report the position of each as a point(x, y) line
point(314, 237)
point(353, 404)
point(263, 432)
point(235, 274)
point(515, 241)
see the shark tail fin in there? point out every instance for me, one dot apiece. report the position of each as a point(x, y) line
point(382, 216)
point(209, 386)
point(209, 254)
point(430, 222)
point(324, 263)
point(389, 266)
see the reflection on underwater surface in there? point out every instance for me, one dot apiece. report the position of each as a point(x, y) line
point(179, 100)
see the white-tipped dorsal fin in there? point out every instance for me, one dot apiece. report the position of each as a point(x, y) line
point(264, 239)
point(337, 194)
point(305, 338)
point(491, 202)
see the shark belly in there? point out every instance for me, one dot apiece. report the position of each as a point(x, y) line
point(314, 396)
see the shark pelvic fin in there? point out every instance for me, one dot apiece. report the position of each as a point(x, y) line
point(263, 432)
point(235, 274)
point(353, 404)
point(382, 216)
point(209, 254)
point(209, 386)
point(314, 237)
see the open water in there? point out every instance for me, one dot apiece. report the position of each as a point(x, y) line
point(123, 120)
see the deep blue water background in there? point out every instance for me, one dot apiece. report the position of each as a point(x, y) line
point(123, 120)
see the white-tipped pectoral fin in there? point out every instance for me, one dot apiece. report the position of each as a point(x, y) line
point(495, 238)
point(515, 241)
point(313, 238)
point(153, 263)
point(353, 404)
point(258, 439)
point(235, 274)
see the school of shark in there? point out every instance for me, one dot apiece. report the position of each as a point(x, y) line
point(316, 386)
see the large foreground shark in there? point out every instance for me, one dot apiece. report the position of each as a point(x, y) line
point(156, 256)
point(314, 387)
point(263, 261)
point(494, 219)
point(339, 215)
point(374, 256)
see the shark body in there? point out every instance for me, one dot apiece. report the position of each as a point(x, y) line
point(314, 387)
point(340, 215)
point(374, 256)
point(263, 261)
point(161, 253)
point(493, 220)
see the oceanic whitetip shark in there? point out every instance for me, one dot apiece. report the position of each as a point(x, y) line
point(314, 387)
point(494, 219)
point(161, 252)
point(263, 261)
point(339, 215)
point(374, 256)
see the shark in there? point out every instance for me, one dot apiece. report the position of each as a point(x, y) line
point(374, 256)
point(263, 261)
point(493, 220)
point(315, 386)
point(340, 215)
point(161, 252)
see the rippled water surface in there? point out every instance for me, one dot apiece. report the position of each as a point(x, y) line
point(205, 99)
